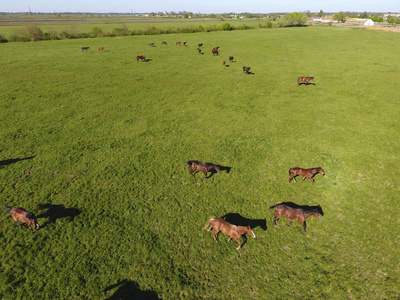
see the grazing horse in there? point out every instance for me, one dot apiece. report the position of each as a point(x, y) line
point(224, 63)
point(309, 173)
point(151, 44)
point(85, 48)
point(101, 48)
point(231, 58)
point(234, 232)
point(304, 80)
point(215, 51)
point(295, 214)
point(199, 50)
point(246, 70)
point(201, 167)
point(178, 43)
point(20, 214)
point(200, 45)
point(164, 43)
point(141, 57)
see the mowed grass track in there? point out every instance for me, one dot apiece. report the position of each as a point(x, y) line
point(95, 144)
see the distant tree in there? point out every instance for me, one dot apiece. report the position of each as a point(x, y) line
point(364, 15)
point(340, 17)
point(321, 13)
point(34, 32)
point(293, 19)
point(96, 32)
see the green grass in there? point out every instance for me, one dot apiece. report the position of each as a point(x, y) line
point(95, 144)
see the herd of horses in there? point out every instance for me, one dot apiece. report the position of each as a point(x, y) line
point(289, 210)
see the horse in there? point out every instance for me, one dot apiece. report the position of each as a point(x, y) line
point(164, 43)
point(201, 167)
point(101, 48)
point(306, 173)
point(215, 51)
point(141, 57)
point(20, 214)
point(295, 214)
point(304, 80)
point(234, 232)
point(151, 44)
point(246, 70)
point(184, 43)
point(85, 48)
point(199, 50)
point(224, 63)
point(231, 58)
point(200, 45)
point(178, 43)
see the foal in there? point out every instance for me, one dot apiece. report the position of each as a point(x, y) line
point(309, 173)
point(201, 167)
point(20, 214)
point(234, 232)
point(294, 214)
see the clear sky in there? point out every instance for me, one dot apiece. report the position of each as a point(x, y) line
point(198, 6)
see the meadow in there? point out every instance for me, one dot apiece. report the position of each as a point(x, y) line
point(95, 144)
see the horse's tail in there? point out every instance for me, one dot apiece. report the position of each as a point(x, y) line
point(298, 80)
point(208, 222)
point(8, 208)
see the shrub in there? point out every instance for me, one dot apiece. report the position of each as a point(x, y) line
point(293, 19)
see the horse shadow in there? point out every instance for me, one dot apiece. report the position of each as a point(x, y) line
point(249, 73)
point(307, 83)
point(304, 207)
point(147, 59)
point(239, 220)
point(57, 211)
point(13, 160)
point(130, 290)
point(221, 168)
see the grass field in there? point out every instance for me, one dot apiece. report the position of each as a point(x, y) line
point(95, 144)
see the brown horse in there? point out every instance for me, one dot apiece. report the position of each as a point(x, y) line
point(85, 48)
point(101, 48)
point(246, 70)
point(231, 58)
point(304, 80)
point(151, 44)
point(178, 43)
point(306, 173)
point(164, 43)
point(234, 232)
point(215, 51)
point(201, 167)
point(296, 213)
point(141, 57)
point(20, 214)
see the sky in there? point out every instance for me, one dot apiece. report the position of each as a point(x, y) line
point(198, 6)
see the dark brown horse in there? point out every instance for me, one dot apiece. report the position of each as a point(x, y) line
point(201, 167)
point(200, 45)
point(151, 44)
point(304, 80)
point(141, 57)
point(164, 43)
point(231, 58)
point(246, 70)
point(215, 51)
point(234, 232)
point(296, 213)
point(85, 48)
point(21, 215)
point(199, 50)
point(305, 173)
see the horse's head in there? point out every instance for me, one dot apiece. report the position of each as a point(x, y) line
point(250, 232)
point(321, 171)
point(217, 169)
point(318, 215)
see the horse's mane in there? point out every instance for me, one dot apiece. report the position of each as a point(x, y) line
point(310, 211)
point(30, 216)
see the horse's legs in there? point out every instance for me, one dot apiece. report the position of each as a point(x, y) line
point(275, 219)
point(29, 225)
point(215, 231)
point(304, 226)
point(191, 169)
point(303, 178)
point(290, 223)
point(229, 240)
point(292, 177)
point(240, 245)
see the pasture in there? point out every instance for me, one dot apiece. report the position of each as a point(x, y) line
point(95, 144)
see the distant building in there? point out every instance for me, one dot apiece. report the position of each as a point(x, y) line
point(369, 22)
